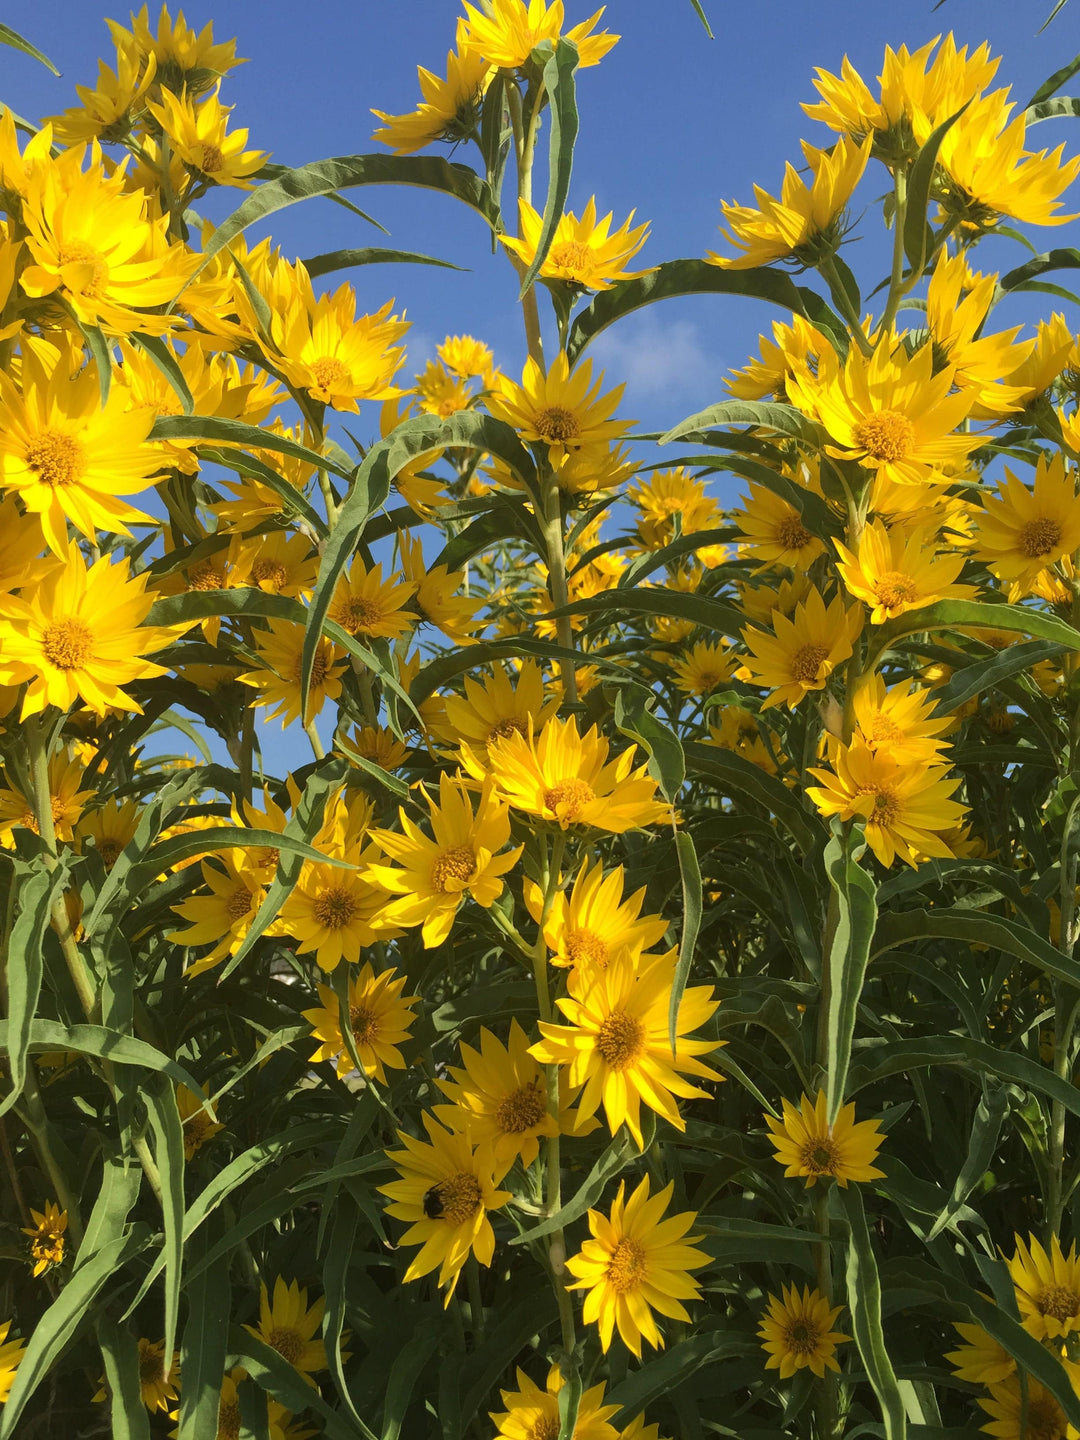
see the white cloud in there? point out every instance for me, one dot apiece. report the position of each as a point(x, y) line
point(659, 361)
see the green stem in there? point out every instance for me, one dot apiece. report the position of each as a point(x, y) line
point(316, 744)
point(844, 304)
point(523, 151)
point(825, 1397)
point(897, 288)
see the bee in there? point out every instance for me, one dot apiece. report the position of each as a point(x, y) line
point(433, 1205)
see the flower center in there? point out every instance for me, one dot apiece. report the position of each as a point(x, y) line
point(206, 576)
point(708, 680)
point(335, 908)
point(452, 869)
point(55, 458)
point(556, 424)
point(568, 798)
point(895, 588)
point(620, 1039)
point(288, 1343)
point(820, 1155)
point(802, 1337)
point(888, 435)
point(806, 663)
point(522, 1109)
point(886, 805)
point(1058, 1301)
point(883, 730)
point(151, 1366)
point(228, 1420)
point(460, 1196)
point(570, 255)
point(318, 669)
point(792, 534)
point(109, 850)
point(1040, 537)
point(358, 614)
point(68, 644)
point(365, 1025)
point(1045, 1419)
point(77, 252)
point(330, 374)
point(511, 726)
point(270, 572)
point(545, 1428)
point(238, 904)
point(210, 159)
point(627, 1266)
point(584, 947)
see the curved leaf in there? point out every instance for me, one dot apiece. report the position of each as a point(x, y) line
point(370, 255)
point(1063, 259)
point(918, 237)
point(237, 432)
point(893, 1057)
point(742, 777)
point(972, 614)
point(103, 1044)
point(899, 929)
point(559, 67)
point(24, 961)
point(704, 610)
point(767, 414)
point(864, 1302)
point(11, 37)
point(855, 899)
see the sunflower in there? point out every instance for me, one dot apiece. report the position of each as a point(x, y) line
point(561, 410)
point(380, 1018)
point(438, 596)
point(462, 857)
point(337, 358)
point(223, 917)
point(797, 1332)
point(230, 1422)
point(893, 572)
point(1047, 1288)
point(793, 347)
point(667, 494)
point(594, 923)
point(583, 253)
point(108, 111)
point(772, 532)
point(499, 1099)
point(804, 651)
point(702, 669)
point(957, 304)
point(808, 1145)
point(510, 31)
point(617, 1043)
point(1023, 532)
point(369, 607)
point(199, 1126)
point(184, 58)
point(66, 771)
point(158, 1389)
point(566, 777)
point(336, 912)
point(637, 1262)
point(11, 1352)
point(66, 456)
point(47, 1237)
point(374, 743)
point(111, 825)
point(906, 806)
point(288, 1326)
point(498, 706)
point(533, 1414)
point(80, 636)
point(899, 721)
point(450, 109)
point(280, 649)
point(446, 1191)
point(197, 131)
point(982, 1360)
point(738, 731)
point(1030, 1413)
point(805, 221)
point(1054, 343)
point(890, 412)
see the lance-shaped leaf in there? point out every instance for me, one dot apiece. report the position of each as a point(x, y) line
point(864, 1302)
point(36, 889)
point(767, 414)
point(560, 61)
point(11, 37)
point(918, 236)
point(370, 255)
point(217, 430)
point(854, 908)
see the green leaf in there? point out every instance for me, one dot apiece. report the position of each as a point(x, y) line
point(473, 657)
point(1063, 259)
point(967, 614)
point(620, 1153)
point(739, 776)
point(287, 1385)
point(671, 280)
point(559, 66)
point(633, 719)
point(165, 360)
point(864, 1302)
point(372, 255)
point(168, 1131)
point(401, 1386)
point(692, 904)
point(120, 1352)
point(991, 1111)
point(17, 42)
point(202, 1353)
point(1052, 85)
point(918, 237)
point(237, 432)
point(1060, 105)
point(101, 354)
point(769, 414)
point(982, 675)
point(657, 1378)
point(293, 501)
point(878, 1062)
point(704, 610)
point(854, 904)
point(325, 177)
point(35, 892)
point(703, 18)
point(167, 854)
point(977, 928)
point(104, 1044)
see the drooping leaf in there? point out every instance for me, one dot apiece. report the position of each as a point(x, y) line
point(24, 962)
point(853, 905)
point(918, 237)
point(559, 66)
point(864, 1303)
point(333, 260)
point(11, 37)
point(768, 414)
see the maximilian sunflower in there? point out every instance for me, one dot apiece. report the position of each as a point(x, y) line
point(67, 801)
point(279, 649)
point(702, 668)
point(47, 1236)
point(288, 1325)
point(323, 347)
point(637, 1261)
point(804, 651)
point(957, 305)
point(380, 1018)
point(199, 1126)
point(594, 922)
point(900, 721)
point(11, 1352)
point(809, 1146)
point(450, 109)
point(506, 32)
point(584, 252)
point(667, 494)
point(1022, 532)
point(981, 1360)
point(157, 1388)
point(498, 705)
point(1028, 1413)
point(334, 912)
point(562, 410)
point(1047, 1288)
point(532, 1413)
point(197, 131)
point(892, 572)
point(222, 918)
point(369, 607)
point(797, 1332)
point(773, 533)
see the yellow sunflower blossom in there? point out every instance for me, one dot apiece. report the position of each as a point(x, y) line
point(461, 857)
point(185, 58)
point(374, 743)
point(11, 1352)
point(797, 1332)
point(594, 923)
point(199, 1126)
point(793, 347)
point(1047, 1288)
point(803, 651)
point(369, 607)
point(467, 357)
point(533, 1412)
point(380, 1018)
point(566, 777)
point(197, 131)
point(437, 595)
point(511, 30)
point(279, 651)
point(637, 1261)
point(807, 1145)
point(222, 918)
point(738, 731)
point(499, 1100)
point(335, 912)
point(899, 720)
point(772, 532)
point(617, 1043)
point(111, 109)
point(893, 572)
point(111, 825)
point(450, 108)
point(583, 253)
point(1030, 1413)
point(805, 221)
point(80, 635)
point(230, 1417)
point(1021, 532)
point(47, 1235)
point(982, 1360)
point(67, 457)
point(667, 494)
point(702, 669)
point(1033, 377)
point(67, 801)
point(278, 562)
point(446, 1192)
point(562, 410)
point(289, 1325)
point(956, 309)
point(157, 1389)
point(906, 807)
point(498, 705)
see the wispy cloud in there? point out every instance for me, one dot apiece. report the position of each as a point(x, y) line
point(668, 368)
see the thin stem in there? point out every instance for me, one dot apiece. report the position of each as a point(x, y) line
point(897, 287)
point(523, 152)
point(316, 744)
point(844, 304)
point(825, 1397)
